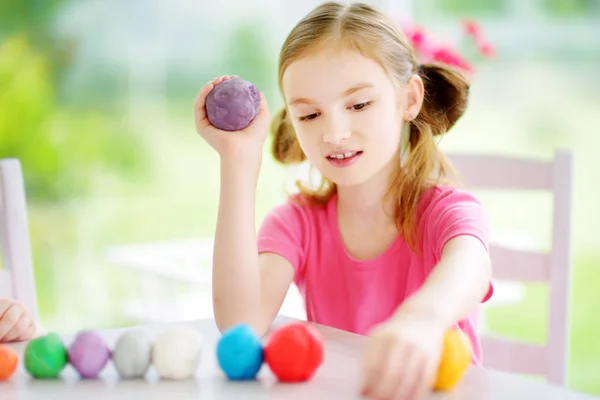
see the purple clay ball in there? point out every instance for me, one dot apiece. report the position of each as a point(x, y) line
point(232, 104)
point(88, 354)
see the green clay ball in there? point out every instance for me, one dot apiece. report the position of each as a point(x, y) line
point(46, 356)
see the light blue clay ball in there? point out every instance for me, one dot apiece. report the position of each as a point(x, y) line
point(240, 353)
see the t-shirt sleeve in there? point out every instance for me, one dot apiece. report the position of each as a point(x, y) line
point(454, 212)
point(284, 232)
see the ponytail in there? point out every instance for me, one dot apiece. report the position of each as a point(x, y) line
point(446, 96)
point(285, 146)
point(445, 100)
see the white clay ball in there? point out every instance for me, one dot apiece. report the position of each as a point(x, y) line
point(176, 353)
point(132, 354)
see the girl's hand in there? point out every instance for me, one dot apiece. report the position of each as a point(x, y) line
point(238, 144)
point(15, 322)
point(402, 357)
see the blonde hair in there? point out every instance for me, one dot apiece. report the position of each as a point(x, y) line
point(363, 28)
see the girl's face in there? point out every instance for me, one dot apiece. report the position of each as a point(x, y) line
point(347, 113)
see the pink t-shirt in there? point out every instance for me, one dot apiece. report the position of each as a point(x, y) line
point(354, 295)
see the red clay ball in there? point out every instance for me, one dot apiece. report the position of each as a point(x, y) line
point(294, 352)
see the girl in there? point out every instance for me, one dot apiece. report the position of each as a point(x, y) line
point(384, 247)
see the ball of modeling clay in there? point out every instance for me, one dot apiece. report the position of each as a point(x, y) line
point(132, 354)
point(46, 356)
point(8, 362)
point(88, 354)
point(240, 353)
point(232, 104)
point(294, 352)
point(176, 353)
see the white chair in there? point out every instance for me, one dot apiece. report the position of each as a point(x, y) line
point(16, 275)
point(553, 267)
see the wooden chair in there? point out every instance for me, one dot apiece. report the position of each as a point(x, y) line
point(552, 267)
point(16, 275)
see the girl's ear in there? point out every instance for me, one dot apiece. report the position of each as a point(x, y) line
point(414, 93)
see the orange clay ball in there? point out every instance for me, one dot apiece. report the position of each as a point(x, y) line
point(8, 362)
point(455, 360)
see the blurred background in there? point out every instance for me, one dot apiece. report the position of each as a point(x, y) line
point(96, 99)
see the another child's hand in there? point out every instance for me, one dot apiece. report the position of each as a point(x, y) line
point(401, 358)
point(232, 144)
point(16, 324)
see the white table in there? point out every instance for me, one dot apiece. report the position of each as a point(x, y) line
point(336, 378)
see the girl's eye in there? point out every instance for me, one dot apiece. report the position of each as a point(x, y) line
point(360, 106)
point(355, 107)
point(308, 117)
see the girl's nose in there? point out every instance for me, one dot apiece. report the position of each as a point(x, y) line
point(335, 132)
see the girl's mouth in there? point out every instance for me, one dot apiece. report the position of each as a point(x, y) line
point(342, 160)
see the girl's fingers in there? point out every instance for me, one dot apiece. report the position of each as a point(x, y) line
point(391, 376)
point(218, 80)
point(411, 379)
point(9, 320)
point(373, 366)
point(29, 332)
point(12, 335)
point(5, 304)
point(200, 105)
point(19, 328)
point(424, 382)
